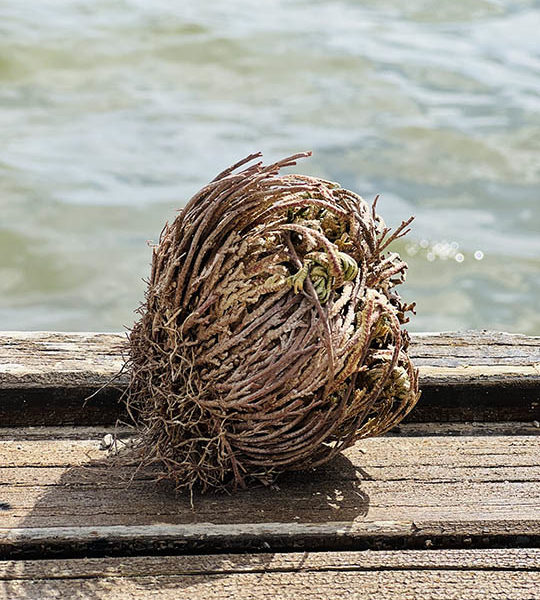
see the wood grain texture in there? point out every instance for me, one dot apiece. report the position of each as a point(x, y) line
point(451, 508)
point(433, 575)
point(501, 559)
point(402, 585)
point(64, 495)
point(46, 377)
point(53, 359)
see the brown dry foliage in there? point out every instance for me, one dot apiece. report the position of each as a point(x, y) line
point(262, 347)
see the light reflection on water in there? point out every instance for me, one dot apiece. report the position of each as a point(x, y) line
point(113, 113)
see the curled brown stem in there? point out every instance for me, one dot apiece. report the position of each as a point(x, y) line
point(270, 335)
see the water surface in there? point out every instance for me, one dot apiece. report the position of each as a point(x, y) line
point(113, 113)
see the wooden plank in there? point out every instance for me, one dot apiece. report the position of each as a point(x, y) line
point(449, 585)
point(445, 574)
point(76, 359)
point(63, 496)
point(31, 359)
point(46, 377)
point(507, 559)
point(44, 447)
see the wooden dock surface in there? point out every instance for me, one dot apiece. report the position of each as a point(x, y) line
point(446, 506)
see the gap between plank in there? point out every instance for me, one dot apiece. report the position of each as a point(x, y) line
point(209, 538)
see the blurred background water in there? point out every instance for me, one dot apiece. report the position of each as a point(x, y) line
point(114, 112)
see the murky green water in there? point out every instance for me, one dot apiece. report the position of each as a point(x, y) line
point(113, 113)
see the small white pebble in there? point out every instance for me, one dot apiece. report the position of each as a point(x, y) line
point(106, 442)
point(536, 424)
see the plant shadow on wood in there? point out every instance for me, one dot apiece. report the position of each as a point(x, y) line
point(103, 493)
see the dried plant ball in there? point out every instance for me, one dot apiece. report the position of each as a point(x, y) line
point(270, 338)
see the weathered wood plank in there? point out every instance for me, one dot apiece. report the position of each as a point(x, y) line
point(51, 359)
point(46, 377)
point(63, 496)
point(75, 359)
point(309, 576)
point(434, 574)
point(507, 559)
point(41, 359)
point(450, 585)
point(77, 446)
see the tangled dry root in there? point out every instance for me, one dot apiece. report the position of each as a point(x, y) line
point(270, 338)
